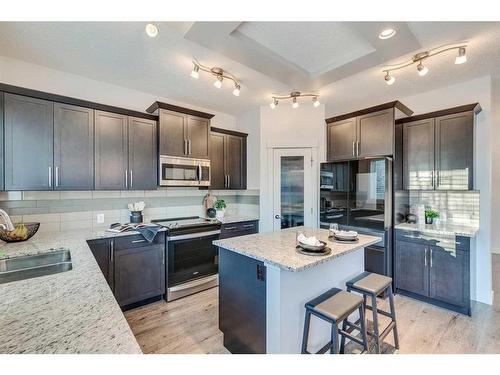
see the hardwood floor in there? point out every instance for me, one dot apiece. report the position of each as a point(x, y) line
point(190, 325)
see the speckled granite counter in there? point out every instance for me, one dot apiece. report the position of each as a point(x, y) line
point(69, 312)
point(278, 248)
point(441, 230)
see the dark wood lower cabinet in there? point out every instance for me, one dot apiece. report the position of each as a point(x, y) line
point(434, 270)
point(133, 268)
point(242, 303)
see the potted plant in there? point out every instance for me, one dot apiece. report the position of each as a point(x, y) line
point(220, 207)
point(430, 215)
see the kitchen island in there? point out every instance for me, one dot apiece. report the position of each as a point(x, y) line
point(264, 283)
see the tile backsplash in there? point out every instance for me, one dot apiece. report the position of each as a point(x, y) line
point(68, 210)
point(454, 207)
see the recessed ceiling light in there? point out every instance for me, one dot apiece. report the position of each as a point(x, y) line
point(151, 30)
point(387, 33)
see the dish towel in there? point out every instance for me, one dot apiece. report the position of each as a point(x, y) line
point(149, 232)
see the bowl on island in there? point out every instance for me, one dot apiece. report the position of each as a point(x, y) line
point(319, 247)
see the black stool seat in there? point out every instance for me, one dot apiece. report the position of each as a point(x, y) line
point(335, 304)
point(372, 283)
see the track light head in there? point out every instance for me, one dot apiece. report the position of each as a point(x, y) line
point(236, 91)
point(462, 57)
point(295, 103)
point(195, 72)
point(422, 69)
point(218, 82)
point(389, 79)
point(274, 103)
point(316, 102)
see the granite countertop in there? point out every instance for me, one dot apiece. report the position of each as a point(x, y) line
point(441, 229)
point(230, 218)
point(69, 312)
point(278, 248)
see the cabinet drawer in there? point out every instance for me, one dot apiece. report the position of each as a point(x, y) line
point(239, 229)
point(137, 240)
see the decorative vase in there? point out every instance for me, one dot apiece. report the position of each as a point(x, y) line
point(219, 214)
point(429, 220)
point(135, 217)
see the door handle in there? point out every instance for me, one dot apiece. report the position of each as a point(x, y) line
point(50, 176)
point(111, 251)
point(199, 170)
point(431, 257)
point(162, 255)
point(277, 217)
point(357, 148)
point(353, 154)
point(57, 176)
point(126, 178)
point(228, 181)
point(131, 178)
point(185, 147)
point(138, 241)
point(189, 147)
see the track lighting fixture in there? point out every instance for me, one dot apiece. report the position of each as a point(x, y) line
point(219, 74)
point(294, 95)
point(420, 57)
point(151, 30)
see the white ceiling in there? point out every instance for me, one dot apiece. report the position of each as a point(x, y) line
point(341, 60)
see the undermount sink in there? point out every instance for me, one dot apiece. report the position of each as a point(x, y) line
point(30, 266)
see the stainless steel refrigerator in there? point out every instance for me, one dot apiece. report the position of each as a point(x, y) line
point(357, 195)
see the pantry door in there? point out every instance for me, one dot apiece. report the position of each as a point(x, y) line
point(292, 188)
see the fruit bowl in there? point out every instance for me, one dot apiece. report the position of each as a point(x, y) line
point(19, 234)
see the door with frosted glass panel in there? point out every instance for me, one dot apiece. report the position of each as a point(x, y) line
point(293, 188)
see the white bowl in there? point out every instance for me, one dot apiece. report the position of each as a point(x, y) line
point(346, 235)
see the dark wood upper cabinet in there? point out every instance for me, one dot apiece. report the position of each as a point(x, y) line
point(217, 161)
point(418, 155)
point(375, 133)
point(142, 155)
point(111, 151)
point(341, 139)
point(198, 132)
point(2, 181)
point(454, 151)
point(228, 159)
point(184, 135)
point(172, 133)
point(73, 147)
point(29, 138)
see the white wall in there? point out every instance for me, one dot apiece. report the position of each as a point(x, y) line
point(495, 167)
point(37, 77)
point(288, 127)
point(477, 90)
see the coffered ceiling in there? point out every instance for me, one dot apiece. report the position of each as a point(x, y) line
point(340, 60)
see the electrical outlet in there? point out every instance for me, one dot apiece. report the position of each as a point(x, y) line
point(100, 218)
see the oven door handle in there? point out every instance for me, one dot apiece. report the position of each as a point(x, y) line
point(193, 235)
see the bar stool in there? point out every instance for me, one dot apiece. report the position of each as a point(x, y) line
point(372, 285)
point(335, 306)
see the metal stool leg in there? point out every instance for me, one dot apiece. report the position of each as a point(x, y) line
point(393, 316)
point(335, 339)
point(375, 323)
point(305, 336)
point(362, 323)
point(342, 337)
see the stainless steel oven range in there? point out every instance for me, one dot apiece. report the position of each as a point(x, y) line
point(192, 259)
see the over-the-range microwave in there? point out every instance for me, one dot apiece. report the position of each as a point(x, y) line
point(179, 171)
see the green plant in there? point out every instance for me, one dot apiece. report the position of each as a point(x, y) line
point(220, 204)
point(432, 214)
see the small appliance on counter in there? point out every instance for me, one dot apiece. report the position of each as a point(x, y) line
point(182, 171)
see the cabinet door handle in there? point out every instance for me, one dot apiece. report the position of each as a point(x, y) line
point(131, 178)
point(111, 251)
point(231, 228)
point(50, 176)
point(357, 148)
point(189, 147)
point(126, 178)
point(425, 257)
point(185, 147)
point(248, 226)
point(431, 257)
point(138, 241)
point(57, 176)
point(437, 180)
point(353, 154)
point(228, 181)
point(162, 255)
